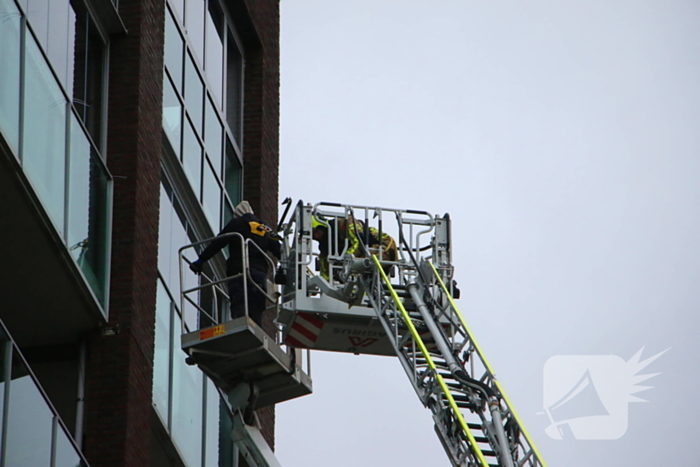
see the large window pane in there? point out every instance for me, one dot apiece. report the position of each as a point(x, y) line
point(194, 23)
point(194, 94)
point(79, 193)
point(88, 202)
point(214, 65)
point(192, 158)
point(211, 197)
point(66, 454)
point(228, 211)
point(172, 116)
point(161, 361)
point(165, 233)
point(234, 87)
point(44, 139)
point(30, 421)
point(174, 47)
point(187, 406)
point(89, 73)
point(225, 441)
point(98, 230)
point(179, 7)
point(233, 175)
point(38, 16)
point(213, 134)
point(61, 41)
point(9, 72)
point(173, 238)
point(211, 443)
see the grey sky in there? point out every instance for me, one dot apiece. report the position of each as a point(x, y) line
point(562, 137)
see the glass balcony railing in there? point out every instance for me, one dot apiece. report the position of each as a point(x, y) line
point(88, 209)
point(35, 435)
point(54, 149)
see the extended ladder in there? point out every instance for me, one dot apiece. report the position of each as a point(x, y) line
point(474, 419)
point(412, 316)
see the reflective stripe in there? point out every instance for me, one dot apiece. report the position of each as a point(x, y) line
point(488, 366)
point(431, 364)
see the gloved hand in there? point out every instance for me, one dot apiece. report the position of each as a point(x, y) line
point(196, 267)
point(280, 276)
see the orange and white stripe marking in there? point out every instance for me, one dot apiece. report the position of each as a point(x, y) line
point(305, 331)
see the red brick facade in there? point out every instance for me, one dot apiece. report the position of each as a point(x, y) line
point(261, 135)
point(261, 119)
point(120, 367)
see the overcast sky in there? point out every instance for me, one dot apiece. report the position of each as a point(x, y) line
point(564, 140)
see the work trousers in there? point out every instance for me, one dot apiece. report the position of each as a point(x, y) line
point(257, 301)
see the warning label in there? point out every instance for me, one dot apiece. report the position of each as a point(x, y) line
point(211, 332)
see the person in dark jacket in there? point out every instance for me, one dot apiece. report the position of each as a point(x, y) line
point(249, 226)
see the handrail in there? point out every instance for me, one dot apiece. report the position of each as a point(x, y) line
point(477, 348)
point(372, 208)
point(431, 364)
point(213, 283)
point(418, 224)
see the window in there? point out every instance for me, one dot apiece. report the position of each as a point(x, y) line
point(194, 24)
point(87, 86)
point(211, 197)
point(174, 46)
point(74, 48)
point(213, 134)
point(44, 142)
point(87, 212)
point(214, 63)
point(35, 434)
point(30, 421)
point(192, 158)
point(234, 87)
point(172, 116)
point(58, 40)
point(200, 112)
point(233, 175)
point(194, 93)
point(10, 37)
point(163, 350)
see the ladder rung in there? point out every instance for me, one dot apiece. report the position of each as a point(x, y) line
point(440, 364)
point(466, 405)
point(460, 398)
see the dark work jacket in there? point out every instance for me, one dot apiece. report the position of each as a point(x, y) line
point(249, 226)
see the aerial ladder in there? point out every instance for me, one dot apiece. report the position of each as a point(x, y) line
point(366, 304)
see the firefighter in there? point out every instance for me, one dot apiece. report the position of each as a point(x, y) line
point(353, 231)
point(249, 226)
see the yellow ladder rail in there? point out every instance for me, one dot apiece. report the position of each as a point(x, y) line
point(488, 366)
point(431, 364)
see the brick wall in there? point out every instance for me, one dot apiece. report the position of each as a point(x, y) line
point(261, 135)
point(120, 367)
point(261, 111)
